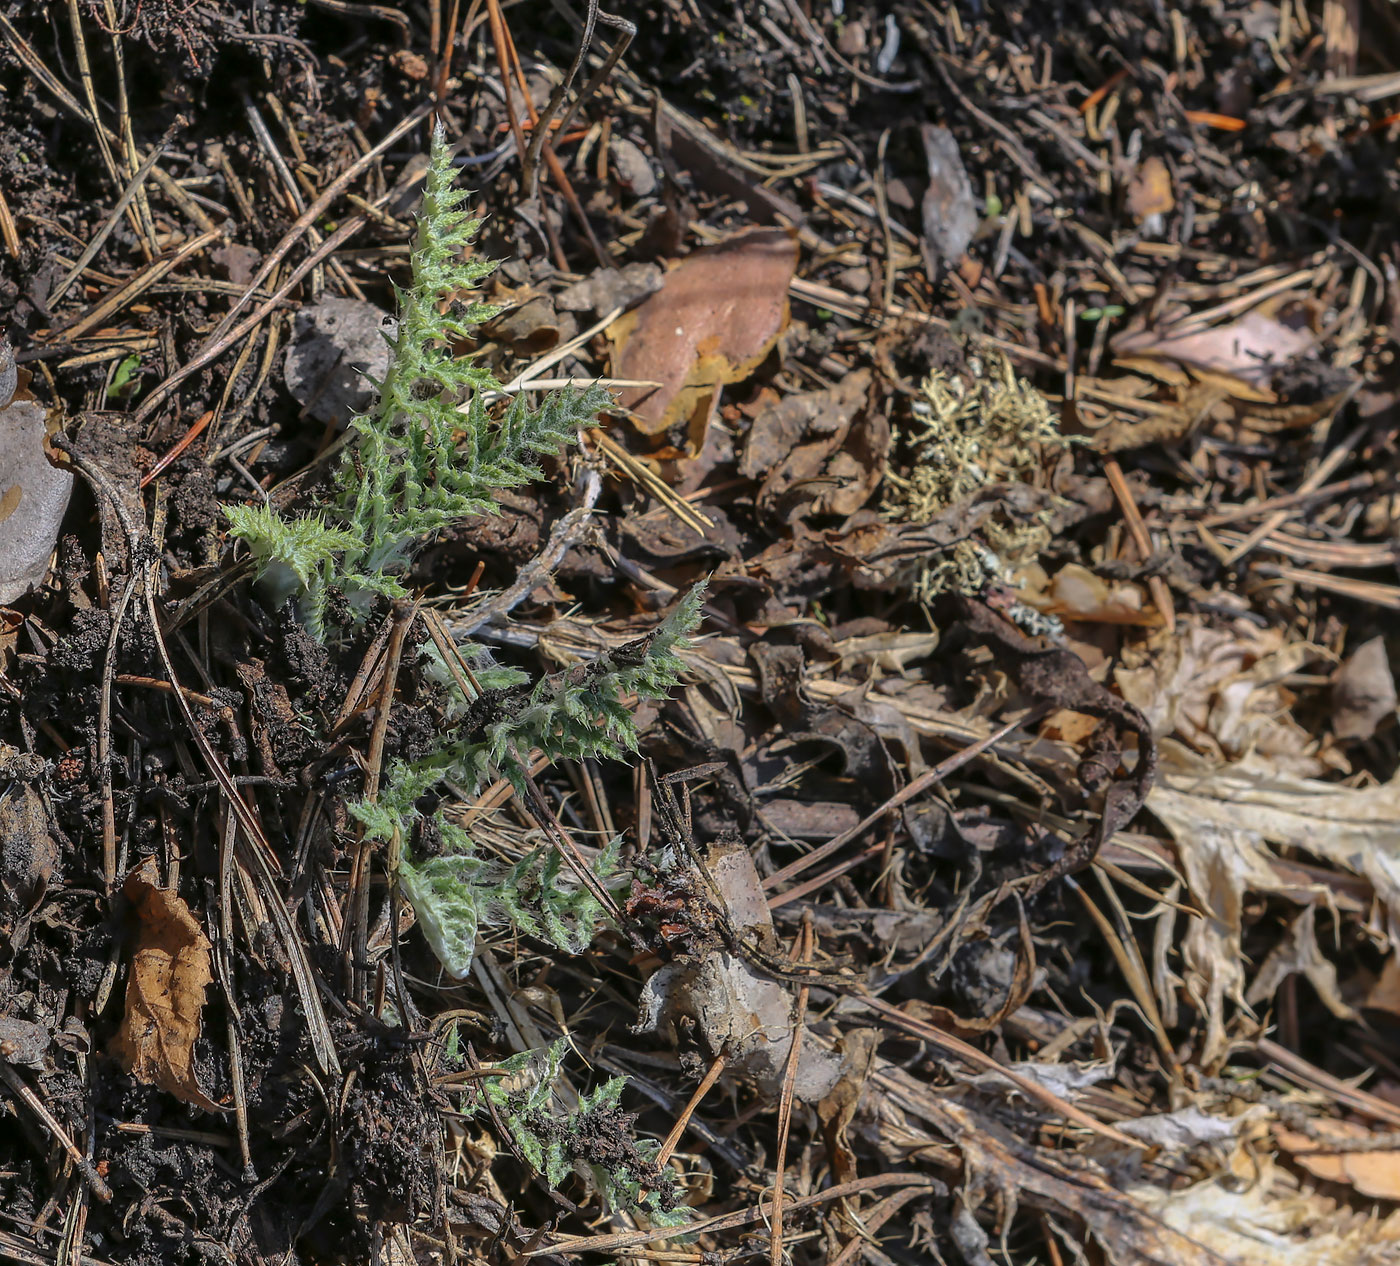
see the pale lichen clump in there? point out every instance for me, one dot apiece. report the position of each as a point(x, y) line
point(980, 428)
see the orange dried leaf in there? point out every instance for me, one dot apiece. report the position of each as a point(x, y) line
point(1150, 190)
point(1069, 727)
point(170, 970)
point(1375, 1173)
point(1076, 593)
point(717, 315)
point(1384, 993)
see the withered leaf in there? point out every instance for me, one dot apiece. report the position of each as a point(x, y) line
point(838, 1109)
point(1363, 692)
point(1150, 190)
point(949, 211)
point(170, 970)
point(813, 453)
point(715, 318)
point(1249, 349)
point(28, 853)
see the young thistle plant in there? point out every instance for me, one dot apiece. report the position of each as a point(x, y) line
point(426, 456)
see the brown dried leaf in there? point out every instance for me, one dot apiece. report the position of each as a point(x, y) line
point(170, 970)
point(820, 451)
point(717, 315)
point(1076, 593)
point(528, 325)
point(1384, 992)
point(875, 654)
point(1170, 419)
point(837, 1111)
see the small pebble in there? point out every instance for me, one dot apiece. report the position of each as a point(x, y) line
point(632, 168)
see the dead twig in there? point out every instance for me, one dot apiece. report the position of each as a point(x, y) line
point(802, 952)
point(356, 931)
point(30, 1100)
point(731, 1221)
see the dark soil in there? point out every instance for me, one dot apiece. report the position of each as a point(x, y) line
point(961, 913)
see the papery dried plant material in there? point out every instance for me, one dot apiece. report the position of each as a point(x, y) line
point(1363, 692)
point(1344, 1152)
point(1069, 1081)
point(1255, 1214)
point(878, 654)
point(1219, 690)
point(1224, 821)
point(735, 1008)
point(170, 970)
point(33, 491)
point(1251, 348)
point(949, 212)
point(716, 317)
point(1298, 954)
point(1191, 1127)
